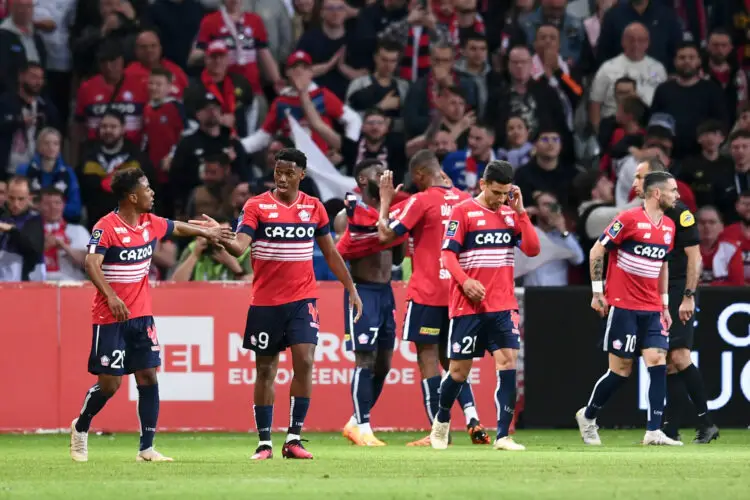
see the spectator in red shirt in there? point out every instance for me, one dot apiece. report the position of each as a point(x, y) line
point(163, 122)
point(148, 56)
point(110, 89)
point(722, 260)
point(245, 36)
point(239, 109)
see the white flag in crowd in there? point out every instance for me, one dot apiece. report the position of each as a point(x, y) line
point(328, 179)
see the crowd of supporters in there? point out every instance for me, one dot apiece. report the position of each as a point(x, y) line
point(197, 93)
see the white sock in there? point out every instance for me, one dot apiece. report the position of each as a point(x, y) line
point(265, 443)
point(469, 413)
point(352, 420)
point(292, 437)
point(365, 428)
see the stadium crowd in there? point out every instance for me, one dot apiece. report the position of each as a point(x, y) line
point(574, 94)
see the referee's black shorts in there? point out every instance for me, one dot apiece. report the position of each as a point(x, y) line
point(681, 334)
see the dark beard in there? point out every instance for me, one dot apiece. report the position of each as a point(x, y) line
point(717, 59)
point(687, 73)
point(30, 90)
point(373, 189)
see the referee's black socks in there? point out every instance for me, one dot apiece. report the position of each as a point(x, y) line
point(676, 399)
point(693, 381)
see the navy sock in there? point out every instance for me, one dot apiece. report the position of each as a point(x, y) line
point(466, 397)
point(604, 388)
point(298, 413)
point(691, 376)
point(148, 413)
point(378, 382)
point(362, 394)
point(430, 388)
point(505, 399)
point(449, 391)
point(92, 404)
point(676, 397)
point(657, 391)
point(263, 421)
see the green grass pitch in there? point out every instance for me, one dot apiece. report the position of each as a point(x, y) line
point(556, 465)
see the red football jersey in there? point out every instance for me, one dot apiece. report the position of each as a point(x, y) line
point(425, 217)
point(637, 248)
point(485, 241)
point(95, 97)
point(163, 124)
point(179, 78)
point(735, 235)
point(282, 248)
point(127, 254)
point(361, 236)
point(330, 108)
point(243, 51)
point(722, 265)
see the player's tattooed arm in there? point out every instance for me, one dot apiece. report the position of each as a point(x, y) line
point(596, 268)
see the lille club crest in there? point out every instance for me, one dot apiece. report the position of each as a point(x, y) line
point(304, 215)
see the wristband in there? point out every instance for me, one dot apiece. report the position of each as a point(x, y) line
point(597, 286)
point(665, 299)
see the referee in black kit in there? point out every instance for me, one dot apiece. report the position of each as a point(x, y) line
point(684, 272)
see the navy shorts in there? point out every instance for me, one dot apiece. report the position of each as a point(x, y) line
point(473, 334)
point(126, 347)
point(376, 329)
point(271, 329)
point(426, 324)
point(628, 332)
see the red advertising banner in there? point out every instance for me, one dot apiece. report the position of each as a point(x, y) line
point(206, 376)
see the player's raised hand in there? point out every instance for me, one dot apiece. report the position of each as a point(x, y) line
point(687, 309)
point(118, 308)
point(515, 201)
point(387, 191)
point(599, 304)
point(666, 319)
point(356, 303)
point(474, 290)
point(219, 234)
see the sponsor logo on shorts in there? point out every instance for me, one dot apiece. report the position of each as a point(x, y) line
point(429, 331)
point(104, 360)
point(617, 345)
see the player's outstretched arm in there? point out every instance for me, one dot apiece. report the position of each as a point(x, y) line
point(234, 243)
point(596, 267)
point(213, 233)
point(93, 265)
point(338, 267)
